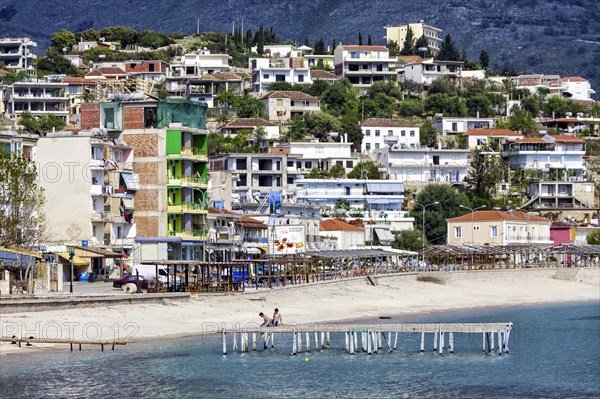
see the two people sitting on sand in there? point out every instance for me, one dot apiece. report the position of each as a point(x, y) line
point(275, 321)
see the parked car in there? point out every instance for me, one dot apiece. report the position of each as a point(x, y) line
point(141, 283)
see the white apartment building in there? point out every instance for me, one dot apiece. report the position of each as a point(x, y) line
point(460, 125)
point(322, 155)
point(560, 156)
point(364, 65)
point(383, 132)
point(38, 98)
point(425, 71)
point(199, 64)
point(378, 202)
point(16, 54)
point(89, 188)
point(577, 88)
point(11, 141)
point(534, 82)
point(432, 34)
point(265, 72)
point(424, 164)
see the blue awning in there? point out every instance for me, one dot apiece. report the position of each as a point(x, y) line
point(385, 188)
point(130, 181)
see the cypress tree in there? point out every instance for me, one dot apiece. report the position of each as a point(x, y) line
point(360, 42)
point(369, 41)
point(448, 51)
point(409, 43)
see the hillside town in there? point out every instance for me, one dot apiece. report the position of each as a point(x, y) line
point(123, 149)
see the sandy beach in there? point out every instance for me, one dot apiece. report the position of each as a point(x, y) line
point(341, 300)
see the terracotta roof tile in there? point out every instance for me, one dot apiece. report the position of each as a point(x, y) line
point(336, 225)
point(407, 59)
point(388, 122)
point(3, 71)
point(319, 74)
point(497, 215)
point(531, 140)
point(574, 79)
point(560, 138)
point(291, 94)
point(492, 132)
point(107, 71)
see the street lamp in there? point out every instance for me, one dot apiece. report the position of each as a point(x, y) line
point(423, 228)
point(472, 212)
point(71, 256)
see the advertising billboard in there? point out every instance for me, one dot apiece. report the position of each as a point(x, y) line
point(287, 240)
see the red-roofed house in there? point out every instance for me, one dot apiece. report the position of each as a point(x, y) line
point(569, 125)
point(364, 65)
point(496, 227)
point(107, 73)
point(491, 138)
point(285, 105)
point(347, 235)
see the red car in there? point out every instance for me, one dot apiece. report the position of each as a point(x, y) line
point(141, 282)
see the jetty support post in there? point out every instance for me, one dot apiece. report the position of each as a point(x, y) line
point(352, 342)
point(422, 341)
point(451, 341)
point(307, 341)
point(224, 342)
point(254, 341)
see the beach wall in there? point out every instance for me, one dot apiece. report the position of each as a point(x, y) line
point(586, 275)
point(39, 304)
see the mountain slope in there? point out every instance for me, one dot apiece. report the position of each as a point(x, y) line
point(549, 36)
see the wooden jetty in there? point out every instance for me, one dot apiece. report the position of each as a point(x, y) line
point(71, 342)
point(369, 338)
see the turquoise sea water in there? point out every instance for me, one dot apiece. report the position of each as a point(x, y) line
point(554, 353)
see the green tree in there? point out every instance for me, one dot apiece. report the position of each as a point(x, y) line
point(484, 174)
point(445, 104)
point(316, 89)
point(408, 240)
point(484, 59)
point(360, 41)
point(42, 124)
point(320, 124)
point(284, 86)
point(55, 63)
point(337, 171)
point(22, 221)
point(317, 173)
point(479, 105)
point(448, 50)
point(443, 85)
point(351, 128)
point(410, 107)
point(421, 43)
point(320, 47)
point(125, 36)
point(339, 96)
point(427, 134)
point(409, 43)
point(593, 238)
point(393, 47)
point(88, 35)
point(249, 107)
point(13, 77)
point(365, 170)
point(153, 39)
point(62, 39)
point(531, 104)
point(435, 217)
point(369, 41)
point(521, 121)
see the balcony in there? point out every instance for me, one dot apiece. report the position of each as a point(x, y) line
point(194, 181)
point(190, 153)
point(97, 189)
point(189, 234)
point(391, 139)
point(103, 216)
point(187, 208)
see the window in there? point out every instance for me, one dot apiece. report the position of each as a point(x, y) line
point(475, 228)
point(367, 132)
point(494, 231)
point(290, 180)
point(290, 164)
point(300, 78)
point(390, 132)
point(349, 164)
point(368, 146)
point(265, 76)
point(292, 103)
point(458, 232)
point(151, 68)
point(279, 102)
point(436, 159)
point(376, 146)
point(454, 126)
point(403, 133)
point(280, 78)
point(412, 133)
point(377, 133)
point(308, 164)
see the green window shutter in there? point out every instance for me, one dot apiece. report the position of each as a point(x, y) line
point(173, 142)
